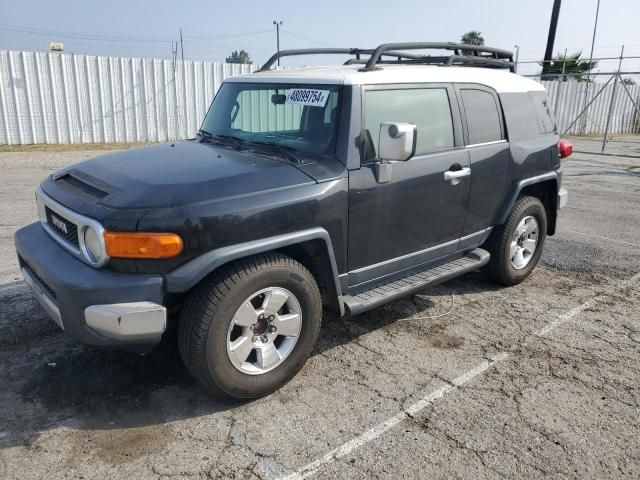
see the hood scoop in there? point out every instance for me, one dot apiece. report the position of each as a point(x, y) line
point(83, 185)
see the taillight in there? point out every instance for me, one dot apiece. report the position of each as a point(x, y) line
point(565, 148)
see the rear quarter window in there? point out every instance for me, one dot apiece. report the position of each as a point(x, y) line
point(520, 118)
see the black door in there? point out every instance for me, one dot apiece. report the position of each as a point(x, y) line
point(417, 216)
point(489, 155)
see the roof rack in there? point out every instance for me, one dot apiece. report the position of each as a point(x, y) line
point(462, 54)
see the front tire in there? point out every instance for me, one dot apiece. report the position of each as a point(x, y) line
point(516, 245)
point(246, 331)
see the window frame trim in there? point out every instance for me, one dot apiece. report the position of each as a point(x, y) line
point(454, 107)
point(458, 87)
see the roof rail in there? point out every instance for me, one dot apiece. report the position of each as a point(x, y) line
point(462, 54)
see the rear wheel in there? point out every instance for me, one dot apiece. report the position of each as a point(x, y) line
point(516, 245)
point(248, 330)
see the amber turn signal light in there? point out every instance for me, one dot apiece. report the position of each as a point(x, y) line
point(142, 244)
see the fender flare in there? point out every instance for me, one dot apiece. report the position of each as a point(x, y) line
point(508, 205)
point(191, 273)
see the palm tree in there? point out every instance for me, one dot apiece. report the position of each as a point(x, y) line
point(573, 65)
point(473, 38)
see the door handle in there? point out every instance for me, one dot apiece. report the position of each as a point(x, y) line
point(455, 176)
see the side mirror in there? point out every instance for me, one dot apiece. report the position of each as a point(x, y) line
point(397, 141)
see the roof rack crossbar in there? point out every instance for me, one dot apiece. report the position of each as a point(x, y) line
point(459, 50)
point(463, 54)
point(329, 51)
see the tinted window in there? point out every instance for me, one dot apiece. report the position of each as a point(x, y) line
point(428, 109)
point(546, 121)
point(520, 118)
point(483, 118)
point(300, 117)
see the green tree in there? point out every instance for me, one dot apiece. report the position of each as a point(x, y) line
point(574, 66)
point(473, 38)
point(239, 57)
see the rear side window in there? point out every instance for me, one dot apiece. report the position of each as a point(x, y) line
point(546, 120)
point(427, 108)
point(483, 118)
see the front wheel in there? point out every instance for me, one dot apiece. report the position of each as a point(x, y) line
point(516, 245)
point(248, 330)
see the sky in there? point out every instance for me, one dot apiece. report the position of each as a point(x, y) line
point(211, 30)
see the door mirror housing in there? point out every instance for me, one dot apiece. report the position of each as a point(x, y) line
point(397, 141)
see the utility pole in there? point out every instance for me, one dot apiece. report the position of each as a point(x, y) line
point(181, 46)
point(551, 39)
point(277, 23)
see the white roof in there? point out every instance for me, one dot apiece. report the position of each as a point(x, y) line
point(502, 81)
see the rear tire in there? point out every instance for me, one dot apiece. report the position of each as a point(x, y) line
point(516, 245)
point(214, 321)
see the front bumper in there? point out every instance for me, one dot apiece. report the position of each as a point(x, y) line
point(93, 306)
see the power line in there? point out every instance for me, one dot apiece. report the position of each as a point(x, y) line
point(306, 38)
point(43, 32)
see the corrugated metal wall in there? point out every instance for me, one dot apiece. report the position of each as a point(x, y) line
point(65, 98)
point(567, 99)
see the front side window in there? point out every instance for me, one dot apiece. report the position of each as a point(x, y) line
point(483, 119)
point(301, 118)
point(427, 108)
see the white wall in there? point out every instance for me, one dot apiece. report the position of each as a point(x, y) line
point(66, 98)
point(567, 100)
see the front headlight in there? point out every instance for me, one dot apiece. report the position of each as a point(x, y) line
point(93, 245)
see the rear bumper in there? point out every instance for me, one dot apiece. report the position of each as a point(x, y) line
point(563, 198)
point(93, 306)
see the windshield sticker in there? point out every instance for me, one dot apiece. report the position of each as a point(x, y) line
point(308, 96)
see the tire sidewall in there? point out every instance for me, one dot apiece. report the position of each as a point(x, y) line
point(236, 383)
point(534, 208)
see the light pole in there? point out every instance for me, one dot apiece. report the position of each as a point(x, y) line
point(277, 23)
point(553, 25)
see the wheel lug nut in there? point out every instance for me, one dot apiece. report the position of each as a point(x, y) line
point(265, 339)
point(272, 328)
point(271, 318)
point(252, 327)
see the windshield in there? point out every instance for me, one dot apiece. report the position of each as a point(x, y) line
point(301, 118)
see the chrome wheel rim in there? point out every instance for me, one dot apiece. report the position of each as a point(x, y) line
point(524, 242)
point(264, 330)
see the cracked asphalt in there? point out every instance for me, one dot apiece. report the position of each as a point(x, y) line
point(562, 402)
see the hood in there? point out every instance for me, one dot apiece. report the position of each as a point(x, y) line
point(171, 175)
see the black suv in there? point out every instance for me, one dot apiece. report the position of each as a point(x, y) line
point(345, 187)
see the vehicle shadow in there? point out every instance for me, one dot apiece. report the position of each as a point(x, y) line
point(49, 381)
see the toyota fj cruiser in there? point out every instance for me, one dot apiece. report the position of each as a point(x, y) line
point(345, 186)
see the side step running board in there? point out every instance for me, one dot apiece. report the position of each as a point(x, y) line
point(382, 294)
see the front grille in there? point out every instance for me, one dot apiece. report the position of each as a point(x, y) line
point(67, 230)
point(41, 282)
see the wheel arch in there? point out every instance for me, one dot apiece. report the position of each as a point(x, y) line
point(311, 247)
point(544, 187)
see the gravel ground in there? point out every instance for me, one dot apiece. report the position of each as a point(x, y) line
point(465, 380)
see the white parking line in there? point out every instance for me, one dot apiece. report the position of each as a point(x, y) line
point(585, 306)
point(376, 431)
point(8, 289)
point(603, 238)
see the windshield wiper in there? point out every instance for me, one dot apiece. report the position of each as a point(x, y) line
point(234, 141)
point(284, 150)
point(204, 133)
